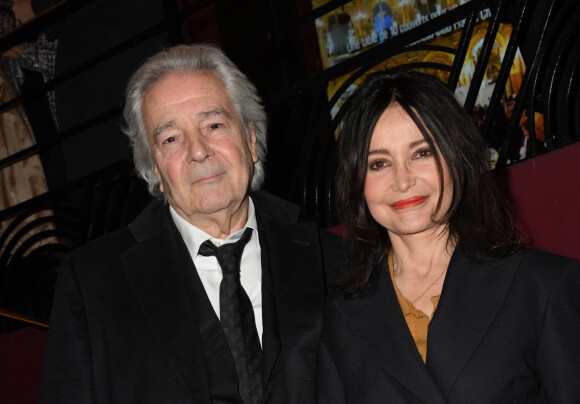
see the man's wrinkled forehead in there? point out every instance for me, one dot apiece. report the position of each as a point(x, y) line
point(176, 88)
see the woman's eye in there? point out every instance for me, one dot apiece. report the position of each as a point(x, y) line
point(377, 165)
point(424, 153)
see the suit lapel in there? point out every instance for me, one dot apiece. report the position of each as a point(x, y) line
point(473, 292)
point(270, 336)
point(293, 260)
point(376, 317)
point(158, 279)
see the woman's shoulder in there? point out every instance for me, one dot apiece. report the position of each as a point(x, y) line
point(539, 269)
point(547, 262)
point(543, 255)
point(542, 270)
point(529, 259)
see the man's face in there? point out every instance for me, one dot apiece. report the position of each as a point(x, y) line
point(203, 159)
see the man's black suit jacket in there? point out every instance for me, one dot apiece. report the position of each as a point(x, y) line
point(124, 329)
point(505, 331)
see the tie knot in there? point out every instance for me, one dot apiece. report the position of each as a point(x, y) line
point(228, 255)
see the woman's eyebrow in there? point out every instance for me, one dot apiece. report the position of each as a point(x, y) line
point(383, 150)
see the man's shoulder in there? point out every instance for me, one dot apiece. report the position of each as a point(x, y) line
point(147, 224)
point(109, 245)
point(286, 217)
point(275, 208)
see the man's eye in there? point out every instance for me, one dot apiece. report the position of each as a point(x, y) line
point(169, 139)
point(215, 126)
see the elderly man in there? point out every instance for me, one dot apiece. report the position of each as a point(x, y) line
point(213, 294)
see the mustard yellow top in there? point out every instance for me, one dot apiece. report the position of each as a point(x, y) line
point(417, 321)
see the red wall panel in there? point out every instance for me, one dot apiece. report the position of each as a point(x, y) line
point(544, 196)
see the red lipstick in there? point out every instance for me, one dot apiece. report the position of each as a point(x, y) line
point(409, 202)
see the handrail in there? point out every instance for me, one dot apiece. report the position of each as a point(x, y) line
point(22, 318)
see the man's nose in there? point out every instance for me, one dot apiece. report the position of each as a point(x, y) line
point(198, 147)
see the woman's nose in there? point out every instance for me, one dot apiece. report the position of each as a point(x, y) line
point(404, 179)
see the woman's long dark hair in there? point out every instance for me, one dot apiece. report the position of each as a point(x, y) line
point(477, 216)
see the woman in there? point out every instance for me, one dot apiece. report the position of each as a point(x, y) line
point(442, 303)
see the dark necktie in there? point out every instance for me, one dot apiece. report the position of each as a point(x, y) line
point(237, 317)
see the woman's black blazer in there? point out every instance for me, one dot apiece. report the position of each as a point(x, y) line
point(505, 331)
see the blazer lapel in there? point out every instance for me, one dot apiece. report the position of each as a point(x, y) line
point(473, 292)
point(377, 317)
point(158, 277)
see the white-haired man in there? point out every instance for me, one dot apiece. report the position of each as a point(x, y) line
point(153, 312)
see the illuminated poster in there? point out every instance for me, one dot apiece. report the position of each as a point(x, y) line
point(451, 40)
point(361, 24)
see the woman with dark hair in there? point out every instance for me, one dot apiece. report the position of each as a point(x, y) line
point(442, 303)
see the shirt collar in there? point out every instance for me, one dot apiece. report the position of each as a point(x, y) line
point(194, 237)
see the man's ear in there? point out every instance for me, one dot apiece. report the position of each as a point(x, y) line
point(252, 143)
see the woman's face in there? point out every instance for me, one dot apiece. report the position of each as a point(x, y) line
point(402, 184)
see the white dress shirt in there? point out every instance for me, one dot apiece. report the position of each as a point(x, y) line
point(209, 270)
